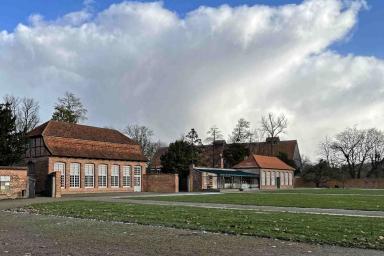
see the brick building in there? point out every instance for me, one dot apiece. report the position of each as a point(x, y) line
point(255, 172)
point(65, 158)
point(13, 182)
point(212, 155)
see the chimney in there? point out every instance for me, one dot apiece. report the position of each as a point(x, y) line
point(221, 161)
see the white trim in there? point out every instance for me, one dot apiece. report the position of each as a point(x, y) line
point(87, 171)
point(115, 169)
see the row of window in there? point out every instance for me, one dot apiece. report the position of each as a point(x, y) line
point(269, 178)
point(102, 179)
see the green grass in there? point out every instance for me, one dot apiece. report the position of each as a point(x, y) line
point(332, 191)
point(334, 230)
point(305, 200)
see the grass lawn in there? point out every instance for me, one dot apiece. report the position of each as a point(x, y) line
point(334, 230)
point(332, 191)
point(305, 200)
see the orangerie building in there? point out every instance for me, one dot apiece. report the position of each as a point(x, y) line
point(65, 158)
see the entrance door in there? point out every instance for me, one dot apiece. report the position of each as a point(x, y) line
point(278, 182)
point(137, 179)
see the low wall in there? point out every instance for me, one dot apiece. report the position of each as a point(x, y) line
point(348, 183)
point(162, 183)
point(17, 182)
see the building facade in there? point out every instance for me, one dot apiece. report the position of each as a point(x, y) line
point(212, 155)
point(13, 182)
point(254, 173)
point(65, 158)
point(272, 172)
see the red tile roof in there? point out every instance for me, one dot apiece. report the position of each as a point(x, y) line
point(74, 140)
point(78, 131)
point(263, 162)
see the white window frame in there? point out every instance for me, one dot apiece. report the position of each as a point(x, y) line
point(286, 178)
point(89, 169)
point(60, 167)
point(127, 176)
point(115, 176)
point(137, 171)
point(273, 179)
point(5, 184)
point(74, 175)
point(102, 176)
point(282, 179)
point(268, 179)
point(262, 178)
point(290, 179)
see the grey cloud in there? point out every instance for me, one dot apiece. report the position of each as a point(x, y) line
point(141, 63)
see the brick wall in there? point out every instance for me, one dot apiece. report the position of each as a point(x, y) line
point(82, 189)
point(348, 183)
point(18, 181)
point(163, 183)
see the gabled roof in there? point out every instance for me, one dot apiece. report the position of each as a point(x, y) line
point(263, 162)
point(81, 132)
point(73, 140)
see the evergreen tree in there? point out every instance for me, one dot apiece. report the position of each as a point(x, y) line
point(178, 157)
point(235, 153)
point(69, 109)
point(11, 141)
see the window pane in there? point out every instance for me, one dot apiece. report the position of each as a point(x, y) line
point(115, 176)
point(127, 176)
point(102, 179)
point(74, 178)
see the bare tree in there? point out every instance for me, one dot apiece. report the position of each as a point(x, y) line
point(327, 152)
point(257, 135)
point(241, 132)
point(213, 134)
point(143, 135)
point(274, 125)
point(26, 111)
point(28, 116)
point(352, 147)
point(376, 155)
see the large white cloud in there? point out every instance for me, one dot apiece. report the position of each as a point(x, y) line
point(141, 63)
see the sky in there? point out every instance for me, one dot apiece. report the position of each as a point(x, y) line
point(174, 65)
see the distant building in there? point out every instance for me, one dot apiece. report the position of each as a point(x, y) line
point(212, 155)
point(255, 172)
point(65, 158)
point(13, 182)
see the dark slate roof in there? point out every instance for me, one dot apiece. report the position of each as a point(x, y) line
point(226, 172)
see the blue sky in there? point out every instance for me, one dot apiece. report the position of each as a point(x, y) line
point(367, 38)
